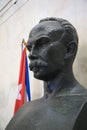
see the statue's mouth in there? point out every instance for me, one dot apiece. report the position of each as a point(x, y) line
point(37, 65)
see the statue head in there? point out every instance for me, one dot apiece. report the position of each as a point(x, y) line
point(52, 45)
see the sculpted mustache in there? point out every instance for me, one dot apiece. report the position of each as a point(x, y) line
point(37, 64)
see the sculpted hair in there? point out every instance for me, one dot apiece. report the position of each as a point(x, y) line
point(70, 33)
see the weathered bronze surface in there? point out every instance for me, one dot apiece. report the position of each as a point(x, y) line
point(53, 45)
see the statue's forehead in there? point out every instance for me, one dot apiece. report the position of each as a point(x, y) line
point(43, 29)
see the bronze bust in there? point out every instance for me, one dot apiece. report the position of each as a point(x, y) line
point(53, 45)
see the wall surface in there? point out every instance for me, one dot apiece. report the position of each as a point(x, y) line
point(17, 27)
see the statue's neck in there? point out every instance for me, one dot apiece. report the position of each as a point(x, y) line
point(63, 80)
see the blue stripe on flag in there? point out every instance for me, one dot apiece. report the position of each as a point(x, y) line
point(27, 82)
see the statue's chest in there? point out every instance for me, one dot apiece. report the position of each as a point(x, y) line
point(60, 114)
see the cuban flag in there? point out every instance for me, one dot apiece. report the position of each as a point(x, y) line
point(23, 92)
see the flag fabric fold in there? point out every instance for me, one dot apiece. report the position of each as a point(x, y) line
point(23, 92)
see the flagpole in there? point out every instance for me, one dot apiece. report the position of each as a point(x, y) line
point(23, 44)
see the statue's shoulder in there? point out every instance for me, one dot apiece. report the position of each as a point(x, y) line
point(79, 90)
point(25, 115)
point(81, 121)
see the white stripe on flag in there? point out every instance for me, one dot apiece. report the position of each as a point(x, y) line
point(18, 92)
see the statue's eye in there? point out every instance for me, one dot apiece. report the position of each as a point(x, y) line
point(42, 41)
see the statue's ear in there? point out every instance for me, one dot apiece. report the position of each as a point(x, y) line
point(71, 49)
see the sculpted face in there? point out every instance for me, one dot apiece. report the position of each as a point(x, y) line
point(46, 50)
